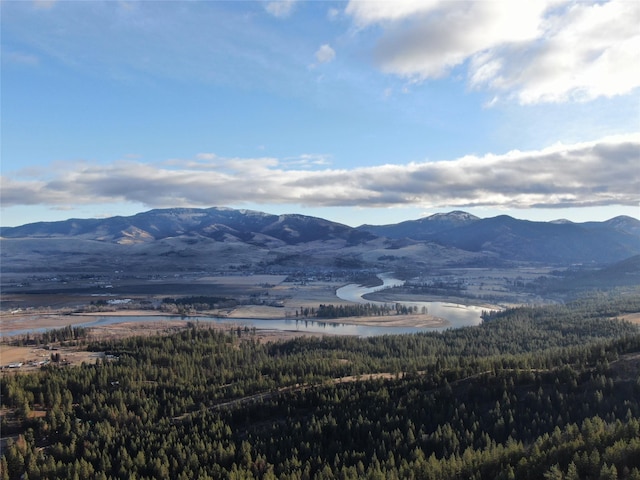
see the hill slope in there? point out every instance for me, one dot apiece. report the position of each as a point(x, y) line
point(215, 223)
point(423, 228)
point(217, 236)
point(522, 240)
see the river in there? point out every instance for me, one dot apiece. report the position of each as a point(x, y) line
point(457, 315)
point(282, 325)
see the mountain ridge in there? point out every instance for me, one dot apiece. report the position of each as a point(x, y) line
point(214, 222)
point(501, 237)
point(514, 239)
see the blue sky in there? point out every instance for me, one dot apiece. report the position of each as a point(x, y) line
point(359, 112)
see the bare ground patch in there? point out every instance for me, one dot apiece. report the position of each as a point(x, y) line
point(418, 320)
point(20, 321)
point(631, 317)
point(33, 358)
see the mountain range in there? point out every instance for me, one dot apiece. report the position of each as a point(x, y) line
point(247, 237)
point(219, 224)
point(514, 239)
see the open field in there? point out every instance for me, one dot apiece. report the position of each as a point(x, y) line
point(632, 317)
point(33, 358)
point(20, 321)
point(70, 308)
point(73, 292)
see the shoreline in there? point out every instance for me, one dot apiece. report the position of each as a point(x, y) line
point(18, 322)
point(392, 297)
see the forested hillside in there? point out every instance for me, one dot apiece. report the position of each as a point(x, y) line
point(550, 392)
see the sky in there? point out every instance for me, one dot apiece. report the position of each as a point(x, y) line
point(358, 111)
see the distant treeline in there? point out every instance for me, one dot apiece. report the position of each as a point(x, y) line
point(365, 310)
point(436, 287)
point(68, 334)
point(195, 300)
point(200, 302)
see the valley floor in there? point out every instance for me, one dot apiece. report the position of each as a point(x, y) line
point(12, 323)
point(49, 311)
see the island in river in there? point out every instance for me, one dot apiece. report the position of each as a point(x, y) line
point(282, 313)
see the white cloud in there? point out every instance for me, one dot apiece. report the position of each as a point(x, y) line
point(586, 174)
point(543, 51)
point(280, 8)
point(367, 13)
point(325, 54)
point(590, 51)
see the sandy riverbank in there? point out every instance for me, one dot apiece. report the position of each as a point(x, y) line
point(13, 322)
point(394, 297)
point(16, 322)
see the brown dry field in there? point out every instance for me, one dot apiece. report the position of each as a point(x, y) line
point(632, 317)
point(27, 355)
point(20, 321)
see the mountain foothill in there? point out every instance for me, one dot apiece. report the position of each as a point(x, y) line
point(188, 238)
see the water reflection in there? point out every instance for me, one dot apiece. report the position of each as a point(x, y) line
point(457, 315)
point(283, 325)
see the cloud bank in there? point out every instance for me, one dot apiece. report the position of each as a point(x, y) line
point(542, 51)
point(580, 175)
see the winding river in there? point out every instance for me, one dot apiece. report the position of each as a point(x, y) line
point(457, 315)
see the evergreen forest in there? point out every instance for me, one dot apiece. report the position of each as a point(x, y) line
point(547, 392)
